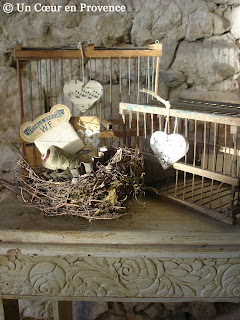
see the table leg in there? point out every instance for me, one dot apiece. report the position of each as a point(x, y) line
point(2, 317)
point(9, 310)
point(62, 310)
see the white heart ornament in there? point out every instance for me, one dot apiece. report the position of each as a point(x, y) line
point(83, 97)
point(168, 148)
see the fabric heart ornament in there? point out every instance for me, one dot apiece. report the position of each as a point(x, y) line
point(168, 148)
point(83, 96)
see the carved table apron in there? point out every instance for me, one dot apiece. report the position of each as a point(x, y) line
point(164, 253)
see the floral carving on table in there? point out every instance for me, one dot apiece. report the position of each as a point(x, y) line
point(119, 277)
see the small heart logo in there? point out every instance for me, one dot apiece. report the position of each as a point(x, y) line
point(83, 97)
point(168, 148)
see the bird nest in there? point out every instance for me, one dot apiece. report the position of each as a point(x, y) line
point(103, 193)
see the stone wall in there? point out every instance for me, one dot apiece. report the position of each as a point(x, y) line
point(200, 60)
point(200, 47)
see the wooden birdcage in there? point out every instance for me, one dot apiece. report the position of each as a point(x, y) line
point(207, 178)
point(42, 73)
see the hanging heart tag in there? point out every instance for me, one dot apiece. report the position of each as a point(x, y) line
point(83, 96)
point(168, 148)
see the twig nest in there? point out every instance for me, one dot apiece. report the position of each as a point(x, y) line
point(100, 194)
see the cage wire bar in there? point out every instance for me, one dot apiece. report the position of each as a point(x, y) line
point(207, 178)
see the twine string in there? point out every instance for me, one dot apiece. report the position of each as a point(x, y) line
point(80, 47)
point(165, 102)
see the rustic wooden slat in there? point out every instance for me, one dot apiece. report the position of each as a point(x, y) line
point(65, 310)
point(157, 75)
point(185, 114)
point(32, 157)
point(214, 153)
point(20, 92)
point(11, 311)
point(47, 54)
point(151, 123)
point(197, 189)
point(120, 133)
point(219, 148)
point(207, 193)
point(89, 122)
point(206, 173)
point(145, 125)
point(194, 154)
point(159, 122)
point(225, 149)
point(214, 201)
point(207, 108)
point(176, 183)
point(109, 134)
point(137, 124)
point(20, 98)
point(210, 102)
point(2, 317)
point(204, 154)
point(89, 52)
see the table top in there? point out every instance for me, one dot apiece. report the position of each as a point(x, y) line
point(159, 252)
point(152, 224)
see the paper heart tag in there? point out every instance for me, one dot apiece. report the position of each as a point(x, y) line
point(168, 148)
point(58, 114)
point(83, 96)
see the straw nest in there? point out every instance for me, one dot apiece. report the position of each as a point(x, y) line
point(101, 194)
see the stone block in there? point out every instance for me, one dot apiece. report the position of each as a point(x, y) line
point(39, 309)
point(227, 311)
point(200, 26)
point(235, 30)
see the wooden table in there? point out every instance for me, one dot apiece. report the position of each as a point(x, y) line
point(162, 252)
